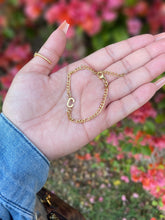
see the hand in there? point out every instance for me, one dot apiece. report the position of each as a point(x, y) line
point(36, 100)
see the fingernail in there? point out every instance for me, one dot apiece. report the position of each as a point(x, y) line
point(160, 83)
point(159, 36)
point(64, 26)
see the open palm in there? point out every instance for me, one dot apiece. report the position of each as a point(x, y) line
point(36, 100)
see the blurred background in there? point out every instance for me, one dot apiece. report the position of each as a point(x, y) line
point(121, 173)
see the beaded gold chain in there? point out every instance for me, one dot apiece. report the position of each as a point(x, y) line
point(71, 100)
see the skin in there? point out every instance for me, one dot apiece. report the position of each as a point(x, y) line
point(36, 100)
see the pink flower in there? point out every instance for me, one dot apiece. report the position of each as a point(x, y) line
point(134, 26)
point(54, 12)
point(125, 179)
point(159, 97)
point(163, 199)
point(135, 195)
point(102, 186)
point(140, 115)
point(6, 80)
point(17, 53)
point(92, 199)
point(123, 198)
point(159, 142)
point(3, 93)
point(109, 185)
point(33, 11)
point(120, 156)
point(108, 15)
point(113, 139)
point(101, 199)
point(136, 175)
point(114, 3)
point(14, 70)
point(92, 25)
point(3, 21)
point(88, 156)
point(129, 132)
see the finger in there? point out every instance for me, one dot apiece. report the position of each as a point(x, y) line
point(101, 59)
point(159, 36)
point(104, 57)
point(136, 78)
point(51, 50)
point(160, 82)
point(137, 59)
point(120, 109)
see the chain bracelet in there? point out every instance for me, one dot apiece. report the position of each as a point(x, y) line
point(71, 100)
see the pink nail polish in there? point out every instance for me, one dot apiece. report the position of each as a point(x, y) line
point(64, 26)
point(160, 83)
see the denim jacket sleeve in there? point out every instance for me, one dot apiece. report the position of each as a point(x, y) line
point(23, 172)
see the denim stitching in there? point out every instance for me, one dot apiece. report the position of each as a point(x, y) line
point(25, 138)
point(16, 205)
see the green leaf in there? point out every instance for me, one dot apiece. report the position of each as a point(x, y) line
point(8, 32)
point(13, 2)
point(160, 203)
point(145, 150)
point(120, 33)
point(18, 19)
point(94, 165)
point(154, 203)
point(101, 164)
point(116, 164)
point(149, 127)
point(160, 118)
point(97, 137)
point(161, 104)
point(130, 2)
point(141, 168)
point(97, 42)
point(127, 147)
point(135, 150)
point(137, 128)
point(89, 148)
point(106, 132)
point(140, 139)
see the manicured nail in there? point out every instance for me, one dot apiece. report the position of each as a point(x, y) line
point(159, 36)
point(160, 83)
point(64, 26)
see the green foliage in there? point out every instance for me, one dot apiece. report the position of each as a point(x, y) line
point(8, 33)
point(111, 206)
point(149, 127)
point(119, 33)
point(145, 150)
point(127, 147)
point(17, 20)
point(130, 2)
point(13, 2)
point(160, 118)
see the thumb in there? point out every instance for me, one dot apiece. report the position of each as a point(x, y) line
point(51, 50)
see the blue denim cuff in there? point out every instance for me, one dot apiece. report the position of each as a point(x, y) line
point(23, 169)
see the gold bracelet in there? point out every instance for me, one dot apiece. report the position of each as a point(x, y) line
point(71, 100)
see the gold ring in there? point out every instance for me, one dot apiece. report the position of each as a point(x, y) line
point(38, 54)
